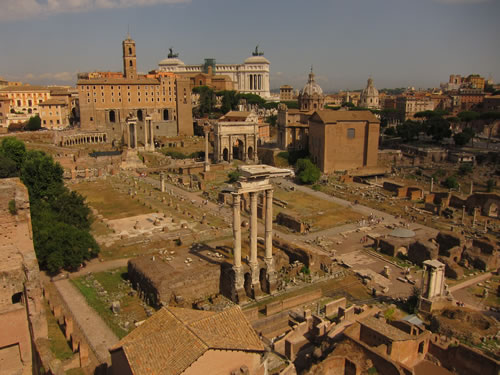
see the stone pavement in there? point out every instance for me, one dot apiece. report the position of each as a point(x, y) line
point(98, 334)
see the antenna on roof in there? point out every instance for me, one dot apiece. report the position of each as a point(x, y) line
point(128, 31)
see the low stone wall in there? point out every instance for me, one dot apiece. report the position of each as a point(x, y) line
point(332, 308)
point(304, 254)
point(279, 306)
point(273, 325)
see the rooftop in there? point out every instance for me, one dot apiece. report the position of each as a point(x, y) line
point(27, 88)
point(331, 117)
point(173, 338)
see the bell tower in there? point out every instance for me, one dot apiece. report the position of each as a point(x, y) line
point(129, 58)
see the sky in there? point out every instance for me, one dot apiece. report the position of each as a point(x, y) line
point(399, 43)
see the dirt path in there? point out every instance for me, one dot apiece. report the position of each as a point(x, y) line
point(472, 281)
point(98, 334)
point(95, 265)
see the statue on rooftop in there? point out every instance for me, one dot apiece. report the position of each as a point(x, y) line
point(257, 52)
point(171, 54)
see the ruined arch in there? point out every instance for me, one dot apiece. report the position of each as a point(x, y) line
point(225, 154)
point(248, 284)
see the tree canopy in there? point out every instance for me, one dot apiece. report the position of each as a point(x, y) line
point(307, 172)
point(60, 218)
point(34, 123)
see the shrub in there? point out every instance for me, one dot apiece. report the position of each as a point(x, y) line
point(234, 175)
point(12, 207)
point(451, 183)
point(307, 172)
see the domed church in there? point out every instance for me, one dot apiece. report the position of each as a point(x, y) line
point(369, 96)
point(311, 97)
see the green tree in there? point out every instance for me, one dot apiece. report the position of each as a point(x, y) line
point(272, 120)
point(8, 167)
point(438, 128)
point(234, 175)
point(408, 130)
point(229, 100)
point(307, 172)
point(390, 131)
point(41, 175)
point(13, 149)
point(451, 183)
point(207, 100)
point(462, 138)
point(34, 123)
point(412, 302)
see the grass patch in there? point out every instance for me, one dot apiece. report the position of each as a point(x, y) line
point(110, 203)
point(320, 213)
point(58, 344)
point(113, 282)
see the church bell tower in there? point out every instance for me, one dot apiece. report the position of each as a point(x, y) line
point(129, 58)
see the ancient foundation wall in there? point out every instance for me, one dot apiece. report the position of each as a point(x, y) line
point(462, 359)
point(288, 303)
point(92, 360)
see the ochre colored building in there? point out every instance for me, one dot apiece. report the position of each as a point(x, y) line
point(54, 114)
point(184, 341)
point(343, 140)
point(108, 99)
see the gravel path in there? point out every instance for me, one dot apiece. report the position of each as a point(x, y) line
point(98, 334)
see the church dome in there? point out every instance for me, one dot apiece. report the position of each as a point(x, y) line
point(370, 90)
point(257, 60)
point(311, 87)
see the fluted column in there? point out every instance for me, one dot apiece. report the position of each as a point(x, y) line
point(254, 265)
point(237, 240)
point(269, 229)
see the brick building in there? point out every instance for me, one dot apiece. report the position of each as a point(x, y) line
point(108, 99)
point(343, 140)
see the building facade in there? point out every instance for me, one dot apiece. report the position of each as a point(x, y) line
point(286, 93)
point(54, 114)
point(108, 99)
point(410, 103)
point(343, 140)
point(252, 76)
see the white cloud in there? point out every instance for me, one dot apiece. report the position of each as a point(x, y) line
point(11, 10)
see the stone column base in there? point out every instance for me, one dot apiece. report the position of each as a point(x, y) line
point(256, 291)
point(271, 282)
point(239, 296)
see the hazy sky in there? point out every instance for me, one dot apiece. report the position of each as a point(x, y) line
point(398, 42)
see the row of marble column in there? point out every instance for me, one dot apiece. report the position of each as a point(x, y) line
point(255, 81)
point(253, 261)
point(83, 139)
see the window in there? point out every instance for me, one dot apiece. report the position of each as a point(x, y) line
point(45, 122)
point(58, 122)
point(17, 297)
point(91, 118)
point(351, 133)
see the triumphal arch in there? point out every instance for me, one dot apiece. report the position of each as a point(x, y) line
point(254, 180)
point(236, 140)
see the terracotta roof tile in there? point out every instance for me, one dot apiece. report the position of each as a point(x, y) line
point(330, 116)
point(174, 338)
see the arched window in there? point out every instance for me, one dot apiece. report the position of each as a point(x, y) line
point(129, 50)
point(112, 116)
point(130, 63)
point(166, 115)
point(139, 115)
